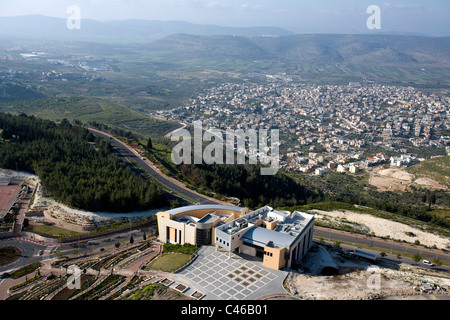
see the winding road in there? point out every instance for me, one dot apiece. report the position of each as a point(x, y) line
point(325, 233)
point(29, 250)
point(167, 182)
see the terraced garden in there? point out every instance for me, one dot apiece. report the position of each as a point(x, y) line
point(104, 275)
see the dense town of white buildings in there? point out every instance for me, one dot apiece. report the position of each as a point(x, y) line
point(328, 127)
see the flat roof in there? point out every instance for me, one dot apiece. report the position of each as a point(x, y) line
point(294, 224)
point(212, 207)
point(209, 218)
point(289, 226)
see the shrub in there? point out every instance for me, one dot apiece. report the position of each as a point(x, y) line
point(25, 270)
point(416, 257)
point(437, 262)
point(186, 248)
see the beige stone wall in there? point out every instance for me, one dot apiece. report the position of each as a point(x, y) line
point(173, 235)
point(271, 225)
point(188, 233)
point(274, 257)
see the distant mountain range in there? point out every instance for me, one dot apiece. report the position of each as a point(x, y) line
point(118, 31)
point(183, 41)
point(317, 48)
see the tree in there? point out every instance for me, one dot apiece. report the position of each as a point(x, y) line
point(149, 143)
point(131, 240)
point(174, 204)
point(71, 170)
point(437, 262)
point(432, 199)
point(416, 257)
point(7, 134)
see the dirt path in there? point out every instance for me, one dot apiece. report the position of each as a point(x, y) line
point(397, 179)
point(357, 279)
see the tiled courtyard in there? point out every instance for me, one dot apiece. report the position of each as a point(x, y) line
point(222, 277)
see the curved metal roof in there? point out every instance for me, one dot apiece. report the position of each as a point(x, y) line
point(261, 236)
point(202, 207)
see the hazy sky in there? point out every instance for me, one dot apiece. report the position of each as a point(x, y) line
point(302, 16)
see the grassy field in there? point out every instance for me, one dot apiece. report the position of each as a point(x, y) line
point(53, 231)
point(442, 213)
point(162, 155)
point(169, 262)
point(86, 110)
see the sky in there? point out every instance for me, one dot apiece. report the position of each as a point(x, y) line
point(429, 17)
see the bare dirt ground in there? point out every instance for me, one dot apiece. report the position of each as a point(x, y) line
point(397, 179)
point(355, 279)
point(17, 175)
point(383, 227)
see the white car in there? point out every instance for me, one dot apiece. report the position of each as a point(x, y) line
point(428, 263)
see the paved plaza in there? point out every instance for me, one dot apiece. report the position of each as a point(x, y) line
point(236, 277)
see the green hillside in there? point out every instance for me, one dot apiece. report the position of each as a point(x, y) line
point(437, 169)
point(327, 58)
point(356, 49)
point(11, 92)
point(87, 110)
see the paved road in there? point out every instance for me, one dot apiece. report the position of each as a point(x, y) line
point(330, 234)
point(30, 250)
point(154, 173)
point(377, 244)
point(29, 253)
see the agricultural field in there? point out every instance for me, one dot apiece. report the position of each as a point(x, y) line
point(88, 110)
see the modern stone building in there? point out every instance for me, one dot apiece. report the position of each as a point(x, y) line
point(280, 238)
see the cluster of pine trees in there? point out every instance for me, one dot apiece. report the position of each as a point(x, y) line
point(246, 183)
point(74, 168)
